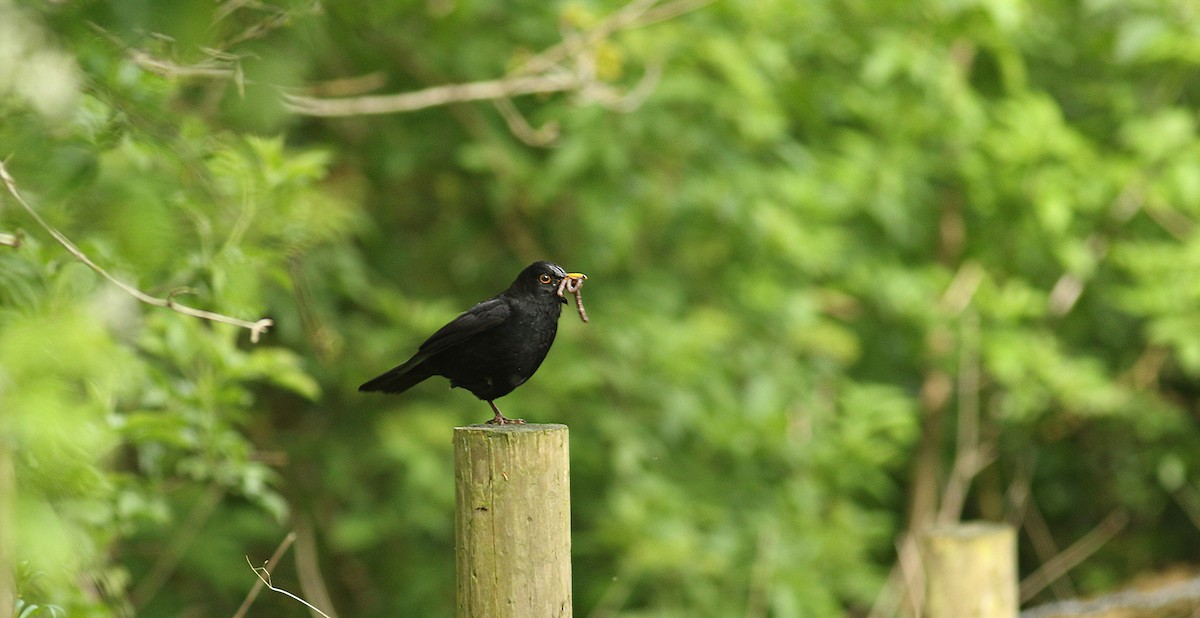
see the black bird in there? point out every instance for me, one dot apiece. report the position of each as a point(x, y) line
point(495, 346)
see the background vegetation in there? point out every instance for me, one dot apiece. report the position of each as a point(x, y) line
point(855, 267)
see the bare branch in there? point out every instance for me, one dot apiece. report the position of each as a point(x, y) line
point(264, 576)
point(569, 65)
point(962, 287)
point(908, 559)
point(640, 92)
point(970, 455)
point(565, 66)
point(213, 67)
point(429, 97)
point(348, 86)
point(256, 328)
point(1043, 541)
point(258, 586)
point(1079, 551)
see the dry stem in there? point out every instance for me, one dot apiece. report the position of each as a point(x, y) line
point(258, 586)
point(264, 576)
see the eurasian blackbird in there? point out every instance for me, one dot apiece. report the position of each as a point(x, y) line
point(495, 346)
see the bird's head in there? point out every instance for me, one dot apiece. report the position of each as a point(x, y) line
point(547, 278)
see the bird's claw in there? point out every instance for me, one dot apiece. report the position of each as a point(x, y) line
point(500, 419)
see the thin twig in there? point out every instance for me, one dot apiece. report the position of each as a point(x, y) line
point(962, 288)
point(348, 86)
point(258, 586)
point(218, 64)
point(908, 557)
point(213, 67)
point(1045, 546)
point(1070, 557)
point(637, 95)
point(264, 576)
point(521, 128)
point(256, 328)
point(887, 601)
point(970, 456)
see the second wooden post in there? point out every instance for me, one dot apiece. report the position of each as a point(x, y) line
point(513, 521)
point(971, 571)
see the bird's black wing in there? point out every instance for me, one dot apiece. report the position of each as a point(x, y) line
point(482, 317)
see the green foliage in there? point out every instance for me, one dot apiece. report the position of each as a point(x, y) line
point(828, 232)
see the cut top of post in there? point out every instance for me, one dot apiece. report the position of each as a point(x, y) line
point(969, 530)
point(515, 428)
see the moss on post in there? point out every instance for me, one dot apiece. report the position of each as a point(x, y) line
point(513, 521)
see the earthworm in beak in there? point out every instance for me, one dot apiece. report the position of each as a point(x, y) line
point(572, 284)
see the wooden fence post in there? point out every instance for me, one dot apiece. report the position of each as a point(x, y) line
point(513, 521)
point(970, 571)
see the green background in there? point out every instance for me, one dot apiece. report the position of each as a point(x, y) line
point(854, 267)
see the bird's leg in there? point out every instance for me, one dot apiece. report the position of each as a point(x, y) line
point(500, 419)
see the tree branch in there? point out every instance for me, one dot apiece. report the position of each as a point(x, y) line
point(1070, 557)
point(565, 66)
point(256, 328)
point(430, 97)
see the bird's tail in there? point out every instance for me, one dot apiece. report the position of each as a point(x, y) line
point(397, 379)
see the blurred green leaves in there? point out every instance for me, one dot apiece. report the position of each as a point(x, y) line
point(116, 413)
point(830, 232)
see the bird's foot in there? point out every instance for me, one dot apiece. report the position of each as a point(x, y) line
point(500, 419)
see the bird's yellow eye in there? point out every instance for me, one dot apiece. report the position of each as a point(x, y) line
point(544, 278)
